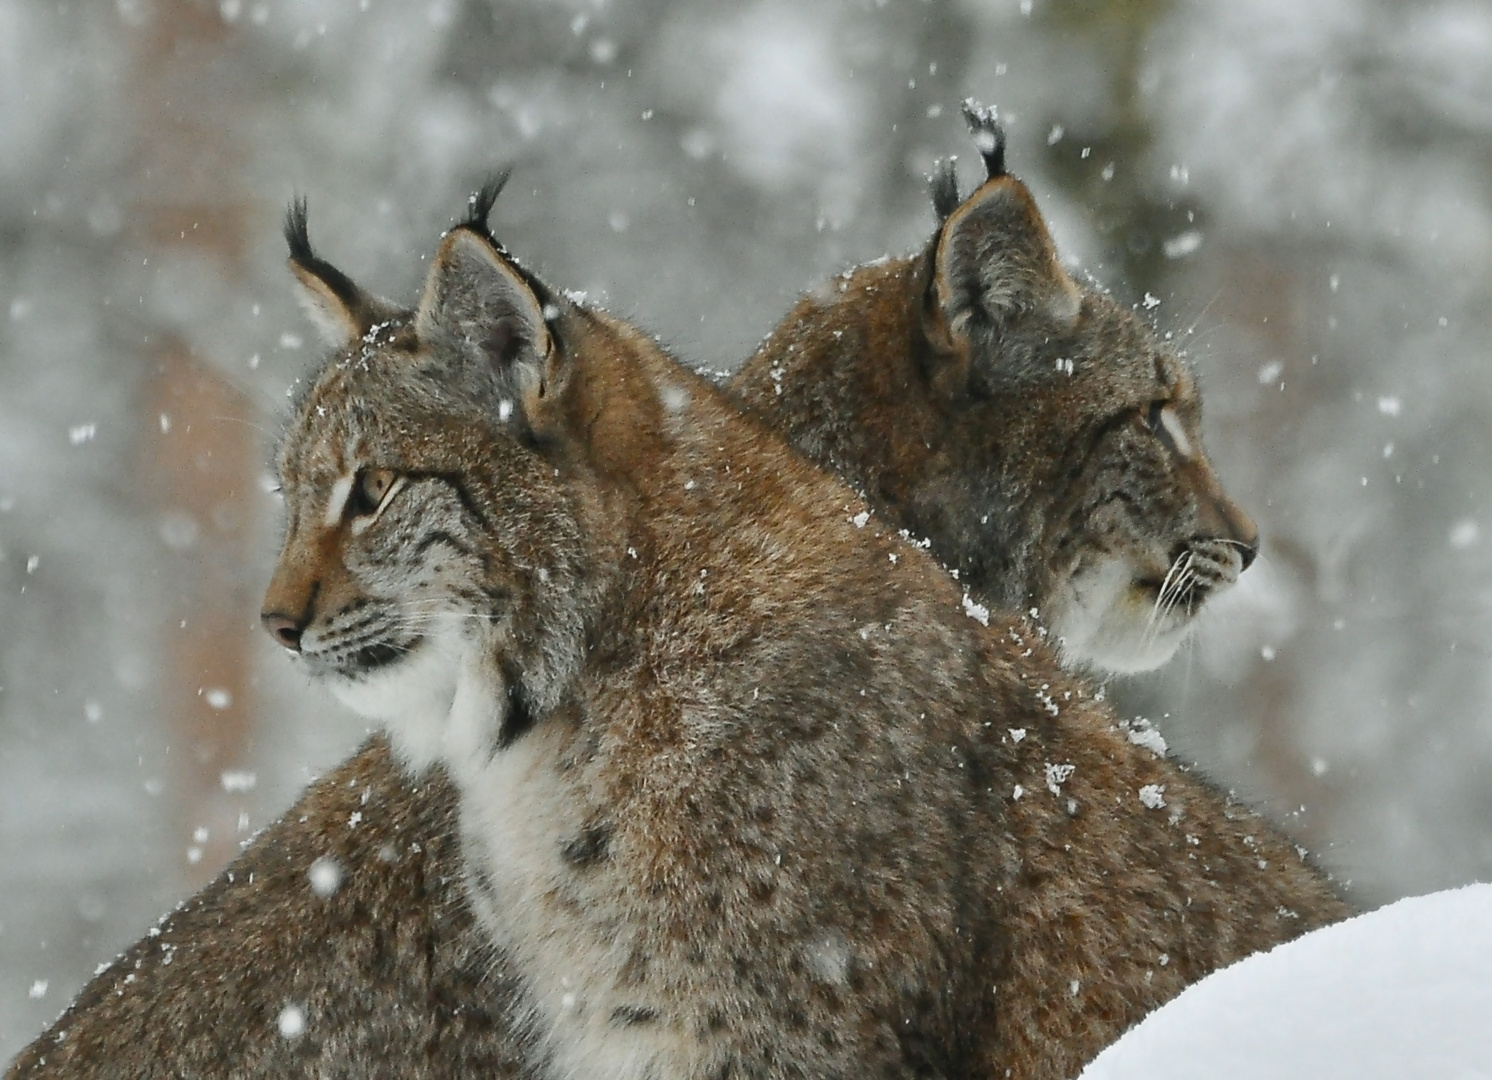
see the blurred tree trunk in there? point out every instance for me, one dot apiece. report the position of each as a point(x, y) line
point(200, 446)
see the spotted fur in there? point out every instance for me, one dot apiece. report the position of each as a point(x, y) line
point(1039, 435)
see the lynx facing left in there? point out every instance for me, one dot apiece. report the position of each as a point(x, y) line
point(747, 786)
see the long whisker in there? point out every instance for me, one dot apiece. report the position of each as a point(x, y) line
point(1174, 587)
point(1165, 587)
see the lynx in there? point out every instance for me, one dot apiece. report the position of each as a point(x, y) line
point(387, 972)
point(1032, 430)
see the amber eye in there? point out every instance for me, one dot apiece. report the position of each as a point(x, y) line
point(369, 491)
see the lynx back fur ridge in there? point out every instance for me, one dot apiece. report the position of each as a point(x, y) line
point(1038, 435)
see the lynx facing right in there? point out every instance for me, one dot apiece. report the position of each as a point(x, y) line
point(1036, 433)
point(747, 787)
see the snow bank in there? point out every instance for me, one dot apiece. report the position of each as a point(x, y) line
point(1404, 991)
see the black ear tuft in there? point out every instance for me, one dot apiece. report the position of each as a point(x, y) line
point(296, 233)
point(479, 209)
point(298, 237)
point(943, 185)
point(480, 206)
point(989, 136)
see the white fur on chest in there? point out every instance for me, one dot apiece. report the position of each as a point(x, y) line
point(564, 929)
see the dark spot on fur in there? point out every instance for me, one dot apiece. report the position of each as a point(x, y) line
point(520, 718)
point(591, 847)
point(633, 1016)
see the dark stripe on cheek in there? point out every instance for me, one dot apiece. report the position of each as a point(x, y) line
point(440, 536)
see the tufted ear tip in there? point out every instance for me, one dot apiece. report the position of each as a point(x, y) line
point(339, 309)
point(989, 136)
point(943, 187)
point(492, 318)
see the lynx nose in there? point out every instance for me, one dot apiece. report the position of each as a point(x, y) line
point(1236, 527)
point(1249, 550)
point(283, 629)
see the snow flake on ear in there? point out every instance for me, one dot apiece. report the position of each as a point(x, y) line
point(1153, 796)
point(1142, 732)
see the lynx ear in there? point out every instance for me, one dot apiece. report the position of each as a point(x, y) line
point(479, 303)
point(994, 263)
point(341, 311)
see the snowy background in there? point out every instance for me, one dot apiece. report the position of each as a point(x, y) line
point(1306, 187)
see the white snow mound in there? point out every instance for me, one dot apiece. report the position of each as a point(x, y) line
point(1404, 991)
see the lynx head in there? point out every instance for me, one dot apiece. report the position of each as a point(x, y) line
point(435, 539)
point(1036, 434)
point(1074, 436)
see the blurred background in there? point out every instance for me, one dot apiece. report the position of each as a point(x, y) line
point(1306, 189)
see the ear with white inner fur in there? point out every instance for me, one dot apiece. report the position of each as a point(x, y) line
point(338, 308)
point(478, 303)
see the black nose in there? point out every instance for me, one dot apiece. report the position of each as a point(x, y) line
point(1249, 551)
point(283, 629)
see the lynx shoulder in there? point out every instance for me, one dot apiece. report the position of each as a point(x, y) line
point(746, 784)
point(1037, 434)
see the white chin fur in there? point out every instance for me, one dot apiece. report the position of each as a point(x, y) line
point(1103, 620)
point(443, 702)
point(411, 698)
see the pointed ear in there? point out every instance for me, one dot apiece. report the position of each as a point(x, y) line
point(478, 303)
point(995, 268)
point(339, 309)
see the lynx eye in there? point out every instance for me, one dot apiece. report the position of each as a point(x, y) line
point(370, 490)
point(1168, 428)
